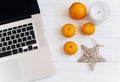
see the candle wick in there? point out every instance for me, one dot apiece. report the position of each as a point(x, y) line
point(99, 11)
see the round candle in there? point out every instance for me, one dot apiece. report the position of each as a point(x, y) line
point(99, 11)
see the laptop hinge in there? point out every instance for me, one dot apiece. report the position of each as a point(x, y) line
point(15, 19)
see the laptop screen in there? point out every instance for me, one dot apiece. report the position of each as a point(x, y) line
point(12, 9)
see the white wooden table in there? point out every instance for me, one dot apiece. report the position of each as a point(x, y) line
point(55, 15)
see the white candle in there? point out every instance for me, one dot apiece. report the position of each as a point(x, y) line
point(99, 11)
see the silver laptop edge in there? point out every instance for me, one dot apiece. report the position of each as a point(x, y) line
point(32, 65)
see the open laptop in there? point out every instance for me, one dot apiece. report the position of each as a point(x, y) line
point(24, 53)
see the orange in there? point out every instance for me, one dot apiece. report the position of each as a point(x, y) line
point(88, 29)
point(77, 11)
point(70, 48)
point(68, 30)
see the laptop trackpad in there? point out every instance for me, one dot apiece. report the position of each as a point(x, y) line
point(9, 71)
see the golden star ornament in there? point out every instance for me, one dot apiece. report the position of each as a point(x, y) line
point(91, 56)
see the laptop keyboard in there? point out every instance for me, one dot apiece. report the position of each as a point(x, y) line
point(17, 39)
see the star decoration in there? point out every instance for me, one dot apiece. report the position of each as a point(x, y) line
point(91, 56)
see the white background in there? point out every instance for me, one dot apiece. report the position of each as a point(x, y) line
point(55, 15)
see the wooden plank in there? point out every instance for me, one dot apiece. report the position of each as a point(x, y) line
point(60, 7)
point(111, 49)
point(79, 72)
point(109, 29)
point(52, 22)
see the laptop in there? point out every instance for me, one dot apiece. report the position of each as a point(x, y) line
point(24, 52)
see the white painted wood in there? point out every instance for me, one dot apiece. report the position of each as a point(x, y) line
point(77, 72)
point(60, 7)
point(55, 15)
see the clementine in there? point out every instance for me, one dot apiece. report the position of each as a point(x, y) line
point(88, 29)
point(77, 11)
point(70, 48)
point(68, 30)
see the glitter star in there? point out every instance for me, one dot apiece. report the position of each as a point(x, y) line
point(91, 56)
